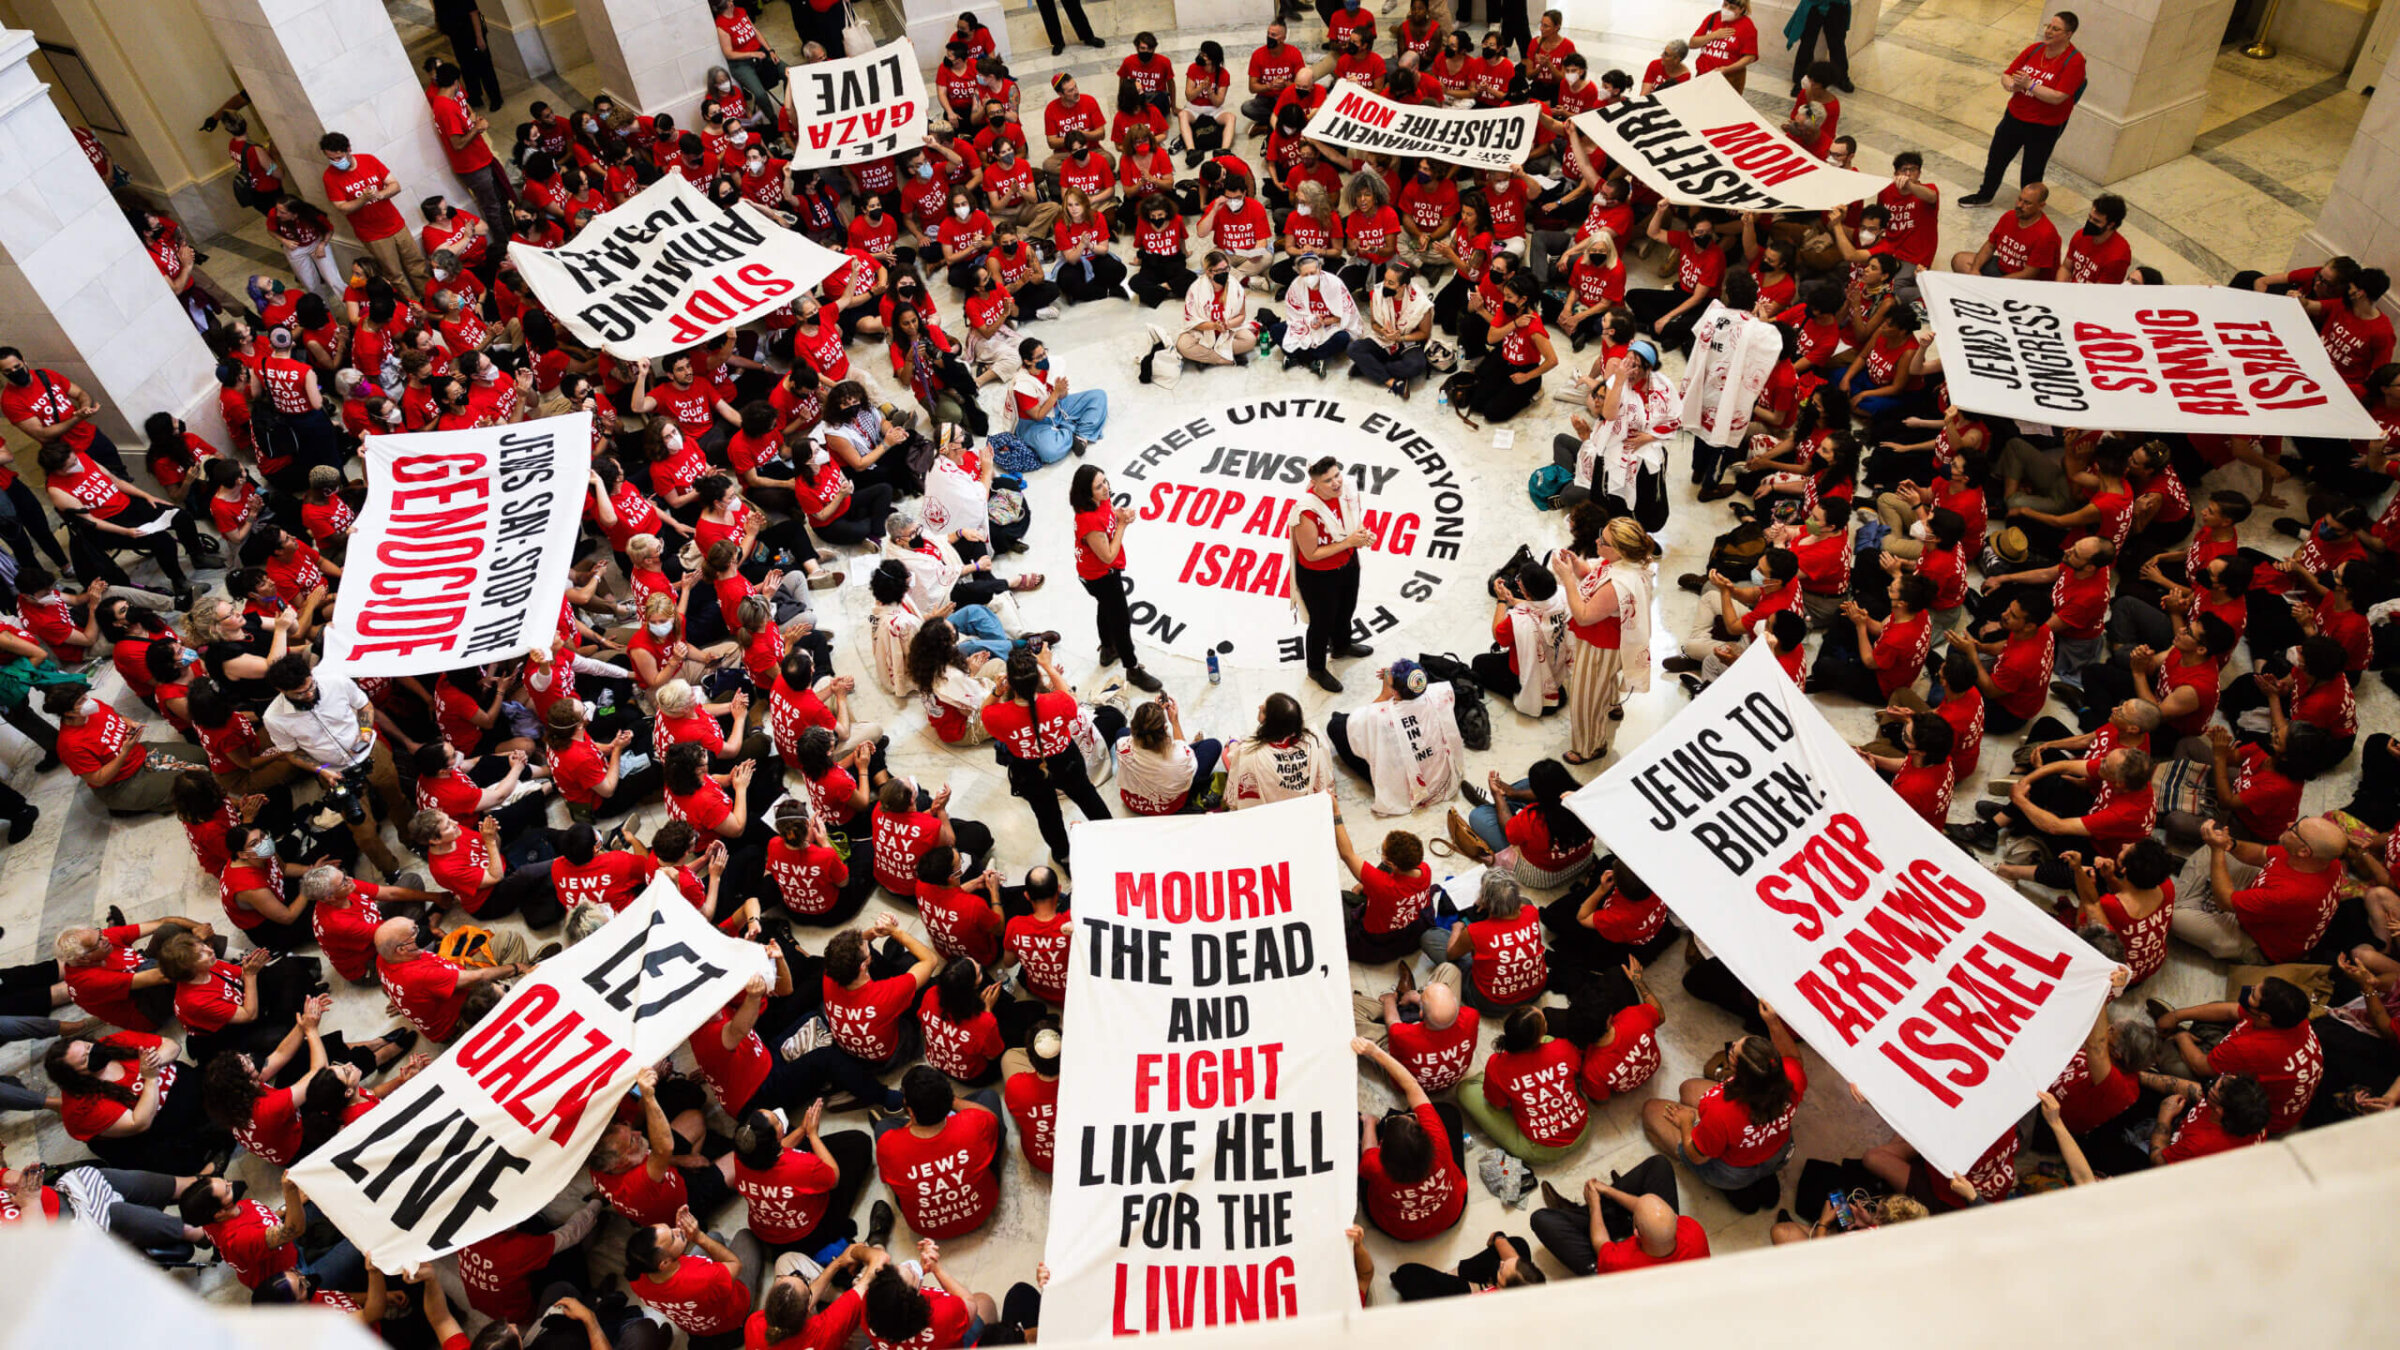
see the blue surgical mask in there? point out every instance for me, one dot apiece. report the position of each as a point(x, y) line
point(1042, 365)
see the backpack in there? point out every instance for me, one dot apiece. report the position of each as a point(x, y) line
point(1474, 720)
point(1546, 483)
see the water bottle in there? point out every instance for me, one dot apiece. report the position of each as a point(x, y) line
point(1441, 395)
point(1215, 675)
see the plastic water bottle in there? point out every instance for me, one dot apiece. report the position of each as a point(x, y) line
point(1441, 396)
point(1215, 675)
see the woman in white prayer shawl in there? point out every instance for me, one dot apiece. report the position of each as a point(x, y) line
point(1608, 614)
point(1637, 413)
point(1406, 742)
point(1733, 353)
point(1320, 317)
point(1528, 661)
point(1283, 759)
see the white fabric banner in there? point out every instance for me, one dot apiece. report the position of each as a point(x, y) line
point(859, 107)
point(460, 554)
point(1208, 1099)
point(1700, 143)
point(1480, 138)
point(1948, 998)
point(669, 270)
point(497, 1127)
point(2206, 359)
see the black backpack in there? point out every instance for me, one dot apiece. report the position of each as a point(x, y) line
point(1474, 720)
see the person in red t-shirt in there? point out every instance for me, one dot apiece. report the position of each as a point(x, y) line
point(1625, 1225)
point(427, 988)
point(1099, 530)
point(1029, 1086)
point(1526, 1099)
point(2022, 246)
point(1880, 657)
point(499, 1271)
point(941, 1160)
point(1411, 1180)
point(2263, 903)
point(699, 1292)
point(801, 1185)
point(2271, 1040)
point(1386, 916)
point(2043, 84)
point(2017, 685)
point(2098, 254)
point(2231, 1112)
point(1736, 1133)
point(874, 1017)
point(360, 188)
point(259, 1243)
point(808, 1314)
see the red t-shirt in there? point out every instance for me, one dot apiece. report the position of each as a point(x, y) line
point(959, 922)
point(1629, 1059)
point(1032, 1102)
point(381, 220)
point(1422, 1209)
point(2286, 1061)
point(789, 1199)
point(900, 839)
point(633, 1194)
point(1040, 946)
point(346, 932)
point(211, 1004)
point(2022, 674)
point(1727, 1132)
point(734, 1075)
point(946, 1185)
point(1393, 902)
point(105, 990)
point(96, 741)
point(827, 1330)
point(699, 1295)
point(2064, 72)
point(1691, 1243)
point(809, 878)
point(242, 1242)
point(498, 1273)
point(2017, 246)
point(1511, 966)
point(963, 1050)
point(866, 1020)
point(2199, 1133)
point(1537, 1089)
point(426, 989)
point(1437, 1057)
point(2285, 910)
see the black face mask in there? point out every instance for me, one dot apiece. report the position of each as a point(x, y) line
point(2094, 229)
point(1217, 278)
point(20, 377)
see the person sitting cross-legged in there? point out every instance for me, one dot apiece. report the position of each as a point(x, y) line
point(1624, 1223)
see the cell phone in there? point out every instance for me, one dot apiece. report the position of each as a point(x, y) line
point(1842, 1213)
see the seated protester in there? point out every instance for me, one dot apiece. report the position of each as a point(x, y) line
point(1592, 934)
point(500, 1272)
point(1029, 1087)
point(1412, 1182)
point(1552, 843)
point(1525, 1100)
point(596, 780)
point(110, 980)
point(1217, 327)
point(67, 622)
point(262, 1246)
point(1497, 942)
point(1438, 1046)
point(634, 1167)
point(1504, 1262)
point(2183, 680)
point(731, 1052)
point(802, 1186)
point(1670, 313)
point(258, 1096)
point(1509, 379)
point(105, 514)
point(1399, 319)
point(695, 1282)
point(1320, 317)
point(2080, 588)
point(963, 1036)
point(1991, 1179)
point(1159, 241)
point(697, 864)
point(1384, 919)
point(952, 682)
point(1616, 1012)
point(1921, 776)
point(124, 1097)
point(1528, 660)
point(804, 873)
point(468, 789)
point(344, 912)
point(481, 879)
point(1879, 658)
point(2261, 904)
point(2361, 1053)
point(1281, 760)
point(430, 990)
point(873, 1018)
point(126, 775)
point(588, 876)
point(256, 889)
point(840, 790)
point(1052, 418)
point(2232, 1111)
point(2315, 692)
point(2256, 788)
point(905, 1313)
point(684, 720)
point(1739, 610)
point(1088, 268)
point(926, 358)
point(906, 823)
point(1628, 1224)
point(840, 510)
point(1159, 771)
point(2103, 797)
point(941, 1161)
point(947, 568)
point(1039, 938)
point(717, 807)
point(2130, 893)
point(2018, 683)
point(868, 448)
point(1735, 1133)
point(1406, 743)
point(2272, 1040)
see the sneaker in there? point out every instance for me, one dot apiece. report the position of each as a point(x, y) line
point(813, 1033)
point(1692, 685)
point(548, 950)
point(2290, 527)
point(1976, 199)
point(1680, 665)
point(1475, 797)
point(1326, 680)
point(1046, 312)
point(879, 1224)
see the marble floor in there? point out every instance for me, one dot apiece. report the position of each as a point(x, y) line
point(1925, 85)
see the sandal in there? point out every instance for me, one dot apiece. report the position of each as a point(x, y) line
point(1571, 757)
point(1031, 581)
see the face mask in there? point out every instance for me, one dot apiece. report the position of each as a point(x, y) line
point(757, 164)
point(90, 707)
point(1921, 531)
point(1730, 13)
point(1703, 240)
point(1574, 79)
point(264, 848)
point(1869, 236)
point(591, 126)
point(392, 417)
point(1236, 203)
point(960, 211)
point(2094, 228)
point(1305, 209)
point(1424, 175)
point(1491, 53)
point(441, 274)
point(924, 171)
point(1217, 278)
point(488, 375)
point(661, 629)
point(20, 377)
point(1273, 43)
point(874, 211)
point(343, 164)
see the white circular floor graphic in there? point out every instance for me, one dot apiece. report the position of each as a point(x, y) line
point(1214, 491)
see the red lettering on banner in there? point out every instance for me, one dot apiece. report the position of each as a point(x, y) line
point(1759, 152)
point(1202, 1080)
point(1210, 897)
point(1365, 110)
point(1178, 1298)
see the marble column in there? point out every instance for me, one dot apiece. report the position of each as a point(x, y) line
point(2147, 63)
point(2362, 216)
point(1775, 55)
point(78, 293)
point(314, 66)
point(654, 55)
point(519, 42)
point(930, 23)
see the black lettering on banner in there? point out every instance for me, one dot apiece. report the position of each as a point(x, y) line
point(495, 635)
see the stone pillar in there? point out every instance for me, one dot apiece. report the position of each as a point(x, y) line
point(77, 291)
point(513, 30)
point(314, 66)
point(2148, 63)
point(2362, 216)
point(930, 23)
point(1775, 54)
point(654, 55)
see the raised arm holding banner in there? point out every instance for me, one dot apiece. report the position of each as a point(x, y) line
point(669, 270)
point(1945, 996)
point(1479, 138)
point(498, 1126)
point(858, 108)
point(2190, 359)
point(460, 553)
point(1700, 143)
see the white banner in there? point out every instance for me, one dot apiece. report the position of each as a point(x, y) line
point(1208, 1101)
point(859, 107)
point(2139, 358)
point(460, 553)
point(1214, 493)
point(497, 1127)
point(1949, 999)
point(669, 270)
point(1700, 143)
point(1480, 138)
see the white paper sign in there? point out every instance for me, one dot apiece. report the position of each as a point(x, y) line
point(859, 107)
point(1949, 999)
point(497, 1127)
point(1700, 143)
point(1207, 1141)
point(460, 554)
point(2204, 359)
point(669, 270)
point(1480, 138)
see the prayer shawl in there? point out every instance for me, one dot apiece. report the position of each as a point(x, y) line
point(1538, 632)
point(1609, 451)
point(1733, 353)
point(966, 693)
point(1258, 772)
point(1339, 520)
point(955, 499)
point(930, 575)
point(1414, 304)
point(1413, 746)
point(894, 626)
point(1032, 384)
point(1203, 303)
point(1311, 322)
point(1633, 639)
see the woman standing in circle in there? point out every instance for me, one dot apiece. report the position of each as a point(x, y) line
point(1100, 527)
point(1327, 533)
point(1608, 612)
point(1034, 726)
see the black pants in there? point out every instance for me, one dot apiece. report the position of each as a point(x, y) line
point(2378, 800)
point(1567, 1232)
point(1337, 735)
point(527, 893)
point(1331, 595)
point(1414, 1281)
point(862, 520)
point(1832, 22)
point(1041, 782)
point(1116, 619)
point(1711, 981)
point(30, 526)
point(94, 548)
point(1108, 274)
point(1514, 30)
point(854, 1156)
point(1650, 306)
point(475, 68)
point(1083, 26)
point(1838, 670)
point(2012, 135)
point(823, 27)
point(180, 1137)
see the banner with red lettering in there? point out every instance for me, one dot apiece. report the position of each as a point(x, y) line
point(1948, 998)
point(1207, 1143)
point(669, 270)
point(1480, 138)
point(1700, 143)
point(498, 1126)
point(460, 554)
point(2191, 359)
point(859, 107)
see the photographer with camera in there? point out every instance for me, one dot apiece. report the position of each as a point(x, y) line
point(325, 724)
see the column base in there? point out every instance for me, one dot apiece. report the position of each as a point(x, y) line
point(2106, 148)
